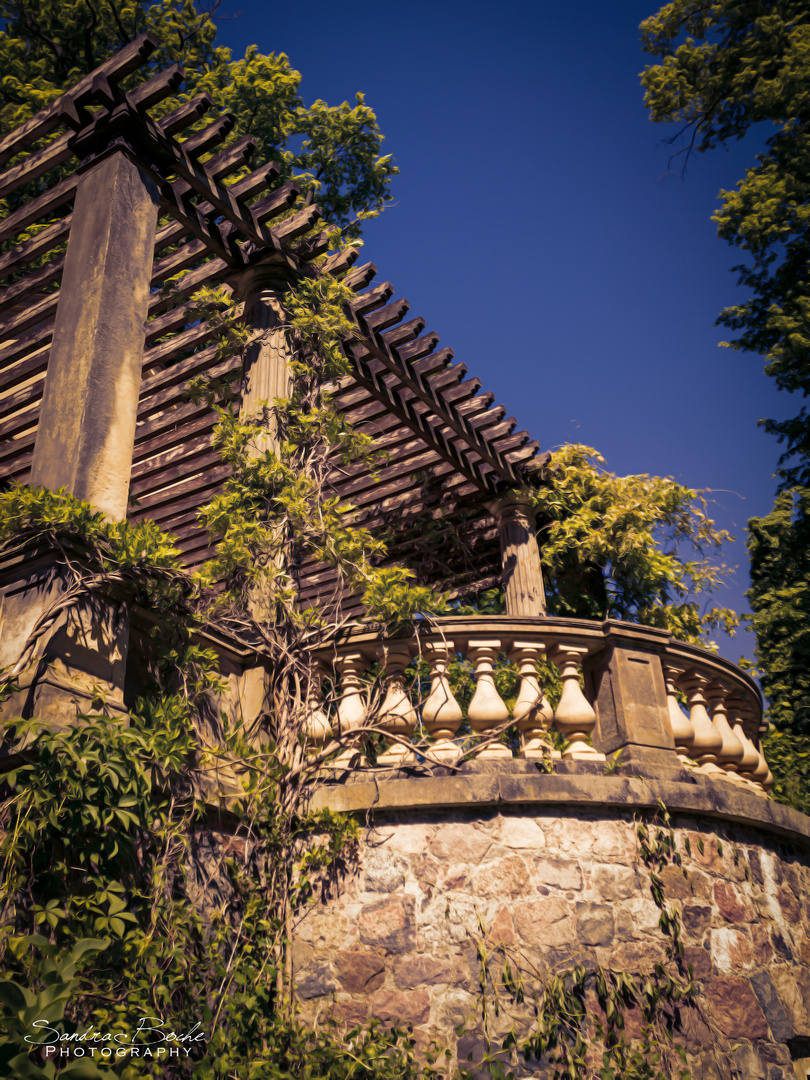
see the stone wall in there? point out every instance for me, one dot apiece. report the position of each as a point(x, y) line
point(555, 887)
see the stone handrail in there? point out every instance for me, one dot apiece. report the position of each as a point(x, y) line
point(633, 676)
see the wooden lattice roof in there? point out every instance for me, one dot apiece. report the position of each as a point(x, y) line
point(449, 447)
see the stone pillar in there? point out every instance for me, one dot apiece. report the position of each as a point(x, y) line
point(266, 374)
point(71, 657)
point(86, 427)
point(630, 698)
point(520, 555)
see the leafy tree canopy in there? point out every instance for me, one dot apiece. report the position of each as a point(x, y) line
point(332, 151)
point(779, 545)
point(637, 548)
point(725, 68)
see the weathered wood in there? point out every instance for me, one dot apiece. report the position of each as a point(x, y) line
point(360, 276)
point(175, 436)
point(340, 262)
point(35, 165)
point(185, 115)
point(387, 316)
point(187, 465)
point(14, 260)
point(23, 370)
point(372, 298)
point(298, 224)
point(32, 283)
point(188, 449)
point(126, 60)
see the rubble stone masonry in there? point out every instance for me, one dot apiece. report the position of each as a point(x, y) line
point(549, 887)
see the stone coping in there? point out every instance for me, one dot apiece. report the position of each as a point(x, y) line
point(573, 785)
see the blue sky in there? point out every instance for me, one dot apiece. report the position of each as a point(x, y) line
point(536, 229)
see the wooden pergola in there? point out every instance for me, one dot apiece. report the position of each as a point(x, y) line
point(81, 384)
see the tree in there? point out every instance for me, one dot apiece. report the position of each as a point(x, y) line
point(725, 70)
point(779, 545)
point(614, 547)
point(46, 47)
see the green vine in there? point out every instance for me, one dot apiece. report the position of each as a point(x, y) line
point(577, 1018)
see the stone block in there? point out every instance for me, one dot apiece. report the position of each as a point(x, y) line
point(558, 873)
point(690, 886)
point(316, 980)
point(731, 950)
point(732, 904)
point(791, 996)
point(595, 924)
point(789, 905)
point(630, 699)
point(382, 871)
point(503, 877)
point(360, 972)
point(694, 1029)
point(611, 882)
point(549, 922)
point(638, 957)
point(519, 832)
point(460, 843)
point(775, 1013)
point(401, 1006)
point(502, 931)
point(748, 1062)
point(413, 971)
point(736, 1009)
point(644, 915)
point(405, 839)
point(349, 1012)
point(700, 960)
point(696, 919)
point(390, 924)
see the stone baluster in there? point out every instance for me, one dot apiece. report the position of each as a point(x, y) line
point(749, 763)
point(683, 731)
point(708, 742)
point(317, 726)
point(732, 751)
point(532, 713)
point(441, 713)
point(352, 708)
point(487, 709)
point(397, 714)
point(765, 781)
point(574, 718)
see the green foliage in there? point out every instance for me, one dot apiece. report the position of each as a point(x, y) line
point(28, 1012)
point(274, 510)
point(779, 546)
point(726, 68)
point(47, 46)
point(611, 547)
point(567, 1033)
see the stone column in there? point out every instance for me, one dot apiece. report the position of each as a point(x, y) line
point(86, 427)
point(520, 555)
point(266, 374)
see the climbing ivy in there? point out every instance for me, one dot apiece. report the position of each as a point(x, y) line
point(574, 1021)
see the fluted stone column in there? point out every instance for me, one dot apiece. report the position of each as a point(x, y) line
point(520, 555)
point(266, 374)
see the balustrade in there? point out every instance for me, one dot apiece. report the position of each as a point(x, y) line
point(411, 712)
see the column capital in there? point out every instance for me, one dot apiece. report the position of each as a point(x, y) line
point(514, 504)
point(267, 279)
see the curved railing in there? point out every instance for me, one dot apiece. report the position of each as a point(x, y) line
point(622, 688)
